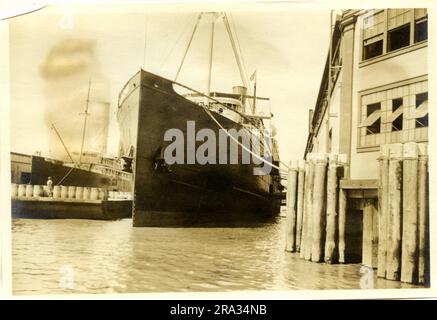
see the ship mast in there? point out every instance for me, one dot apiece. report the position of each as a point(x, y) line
point(63, 143)
point(234, 43)
point(211, 50)
point(85, 114)
point(237, 53)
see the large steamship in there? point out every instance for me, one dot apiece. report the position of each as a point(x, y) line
point(182, 193)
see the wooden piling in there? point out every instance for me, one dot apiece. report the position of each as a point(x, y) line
point(290, 239)
point(394, 217)
point(309, 214)
point(422, 208)
point(342, 208)
point(300, 202)
point(319, 209)
point(369, 213)
point(305, 210)
point(382, 210)
point(409, 213)
point(331, 210)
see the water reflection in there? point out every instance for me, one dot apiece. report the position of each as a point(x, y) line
point(113, 257)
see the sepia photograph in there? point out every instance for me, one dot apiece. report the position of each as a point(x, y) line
point(206, 148)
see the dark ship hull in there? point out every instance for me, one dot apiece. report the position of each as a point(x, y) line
point(32, 169)
point(184, 194)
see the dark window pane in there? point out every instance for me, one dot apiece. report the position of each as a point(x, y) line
point(25, 177)
point(396, 103)
point(422, 122)
point(421, 31)
point(399, 38)
point(396, 125)
point(372, 50)
point(374, 128)
point(373, 107)
point(420, 98)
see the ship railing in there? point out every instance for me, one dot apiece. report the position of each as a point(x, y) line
point(102, 169)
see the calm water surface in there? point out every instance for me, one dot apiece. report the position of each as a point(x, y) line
point(113, 257)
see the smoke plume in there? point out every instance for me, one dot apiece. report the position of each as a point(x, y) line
point(70, 69)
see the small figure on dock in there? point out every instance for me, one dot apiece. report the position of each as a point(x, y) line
point(50, 187)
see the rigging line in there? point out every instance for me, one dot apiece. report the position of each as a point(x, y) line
point(211, 50)
point(237, 57)
point(146, 25)
point(220, 103)
point(97, 136)
point(208, 112)
point(85, 121)
point(66, 175)
point(175, 44)
point(189, 44)
point(240, 50)
point(215, 120)
point(232, 24)
point(210, 98)
point(63, 144)
point(234, 49)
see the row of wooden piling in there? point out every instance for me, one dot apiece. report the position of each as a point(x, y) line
point(317, 208)
point(403, 244)
point(313, 224)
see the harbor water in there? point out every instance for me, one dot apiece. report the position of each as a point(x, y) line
point(85, 256)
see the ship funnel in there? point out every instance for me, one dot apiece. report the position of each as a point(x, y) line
point(239, 90)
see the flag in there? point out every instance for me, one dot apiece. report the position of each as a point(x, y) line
point(253, 76)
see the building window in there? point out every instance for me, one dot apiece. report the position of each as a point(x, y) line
point(398, 28)
point(372, 123)
point(396, 104)
point(25, 177)
point(373, 35)
point(420, 25)
point(396, 124)
point(373, 47)
point(422, 122)
point(421, 109)
point(399, 38)
point(374, 128)
point(371, 108)
point(421, 31)
point(393, 29)
point(399, 114)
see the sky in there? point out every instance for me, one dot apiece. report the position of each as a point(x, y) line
point(58, 53)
